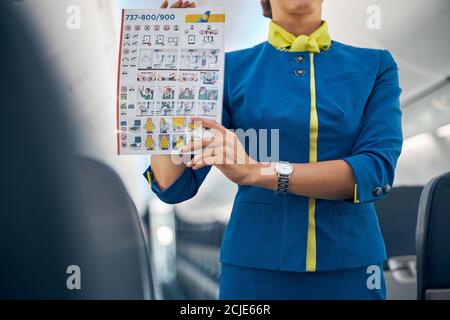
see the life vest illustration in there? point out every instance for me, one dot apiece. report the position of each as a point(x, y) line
point(163, 125)
point(164, 142)
point(150, 143)
point(178, 123)
point(191, 125)
point(149, 126)
point(179, 142)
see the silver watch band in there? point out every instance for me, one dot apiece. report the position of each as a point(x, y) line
point(283, 181)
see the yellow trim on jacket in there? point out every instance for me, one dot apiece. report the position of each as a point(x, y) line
point(317, 41)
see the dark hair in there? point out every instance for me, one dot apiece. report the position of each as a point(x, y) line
point(267, 9)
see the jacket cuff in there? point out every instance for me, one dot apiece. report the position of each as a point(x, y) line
point(170, 194)
point(369, 184)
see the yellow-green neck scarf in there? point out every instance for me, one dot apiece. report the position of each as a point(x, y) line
point(284, 40)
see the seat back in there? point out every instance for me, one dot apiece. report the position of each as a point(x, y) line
point(115, 257)
point(57, 210)
point(433, 240)
point(397, 215)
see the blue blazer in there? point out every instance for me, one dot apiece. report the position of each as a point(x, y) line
point(359, 121)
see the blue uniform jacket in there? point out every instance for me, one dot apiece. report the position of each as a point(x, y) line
point(359, 121)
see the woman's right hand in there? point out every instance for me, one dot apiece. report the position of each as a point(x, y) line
point(178, 4)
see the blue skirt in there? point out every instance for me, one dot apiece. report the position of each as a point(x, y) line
point(242, 283)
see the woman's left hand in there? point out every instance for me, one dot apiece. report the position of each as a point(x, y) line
point(222, 150)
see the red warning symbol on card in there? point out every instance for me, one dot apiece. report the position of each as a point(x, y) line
point(126, 51)
point(127, 27)
point(123, 145)
point(137, 28)
point(124, 89)
point(156, 27)
point(166, 27)
point(147, 28)
point(123, 137)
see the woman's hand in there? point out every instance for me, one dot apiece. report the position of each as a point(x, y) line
point(178, 4)
point(223, 150)
point(330, 180)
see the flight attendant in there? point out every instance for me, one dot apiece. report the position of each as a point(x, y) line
point(303, 227)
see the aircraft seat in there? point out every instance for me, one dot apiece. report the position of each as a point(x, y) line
point(68, 227)
point(397, 215)
point(433, 240)
point(115, 252)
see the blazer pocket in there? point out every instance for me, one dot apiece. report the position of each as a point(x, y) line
point(347, 76)
point(253, 209)
point(244, 240)
point(343, 208)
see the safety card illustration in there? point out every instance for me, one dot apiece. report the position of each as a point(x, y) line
point(171, 67)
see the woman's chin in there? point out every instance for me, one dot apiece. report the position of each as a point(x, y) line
point(302, 6)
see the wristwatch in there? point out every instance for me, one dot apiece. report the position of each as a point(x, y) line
point(284, 171)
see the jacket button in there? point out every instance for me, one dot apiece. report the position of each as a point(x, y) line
point(299, 72)
point(300, 59)
point(377, 191)
point(386, 189)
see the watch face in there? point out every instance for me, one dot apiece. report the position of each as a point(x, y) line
point(284, 168)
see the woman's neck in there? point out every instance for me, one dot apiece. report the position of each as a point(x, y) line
point(300, 24)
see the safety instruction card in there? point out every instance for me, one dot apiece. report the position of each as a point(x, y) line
point(171, 67)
